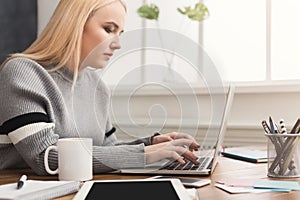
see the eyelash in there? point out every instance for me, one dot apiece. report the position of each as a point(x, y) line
point(108, 29)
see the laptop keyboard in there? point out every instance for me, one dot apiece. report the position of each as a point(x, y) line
point(204, 163)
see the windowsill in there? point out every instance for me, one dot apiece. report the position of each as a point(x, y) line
point(285, 86)
point(255, 87)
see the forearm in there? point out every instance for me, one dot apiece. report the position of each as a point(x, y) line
point(112, 140)
point(32, 149)
point(146, 141)
point(109, 158)
point(105, 159)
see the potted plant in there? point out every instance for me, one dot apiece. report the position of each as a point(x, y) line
point(197, 12)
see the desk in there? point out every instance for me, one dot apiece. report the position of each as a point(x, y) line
point(226, 168)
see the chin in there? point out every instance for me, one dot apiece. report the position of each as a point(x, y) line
point(99, 65)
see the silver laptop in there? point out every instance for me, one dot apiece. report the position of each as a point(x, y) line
point(208, 159)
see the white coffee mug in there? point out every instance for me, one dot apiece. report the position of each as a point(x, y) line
point(75, 159)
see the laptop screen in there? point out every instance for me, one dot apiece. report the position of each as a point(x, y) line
point(226, 112)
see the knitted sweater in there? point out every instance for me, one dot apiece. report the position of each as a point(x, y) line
point(37, 108)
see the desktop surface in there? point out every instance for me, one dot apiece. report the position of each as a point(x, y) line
point(227, 168)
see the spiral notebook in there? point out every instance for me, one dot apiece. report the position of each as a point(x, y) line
point(33, 189)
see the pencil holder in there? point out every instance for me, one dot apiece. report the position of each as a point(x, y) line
point(283, 155)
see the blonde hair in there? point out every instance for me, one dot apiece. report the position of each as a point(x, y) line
point(60, 41)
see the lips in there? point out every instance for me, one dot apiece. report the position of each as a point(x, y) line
point(108, 54)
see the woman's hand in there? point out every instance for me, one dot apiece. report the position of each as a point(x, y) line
point(173, 149)
point(174, 136)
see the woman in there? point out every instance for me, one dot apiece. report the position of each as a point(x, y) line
point(49, 92)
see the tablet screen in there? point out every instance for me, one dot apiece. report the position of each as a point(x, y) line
point(132, 190)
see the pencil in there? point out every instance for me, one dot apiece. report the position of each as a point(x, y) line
point(296, 126)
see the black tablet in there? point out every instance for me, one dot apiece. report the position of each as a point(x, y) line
point(136, 189)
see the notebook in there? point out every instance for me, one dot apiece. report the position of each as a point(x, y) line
point(33, 189)
point(207, 162)
point(249, 155)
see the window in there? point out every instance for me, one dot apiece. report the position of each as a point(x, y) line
point(285, 39)
point(248, 40)
point(254, 40)
point(234, 37)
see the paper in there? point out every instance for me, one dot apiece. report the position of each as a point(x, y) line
point(236, 182)
point(256, 186)
point(237, 190)
point(38, 189)
point(291, 185)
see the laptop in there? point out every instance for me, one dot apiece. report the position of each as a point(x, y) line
point(208, 159)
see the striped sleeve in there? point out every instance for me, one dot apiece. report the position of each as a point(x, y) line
point(22, 126)
point(26, 127)
point(30, 109)
point(30, 134)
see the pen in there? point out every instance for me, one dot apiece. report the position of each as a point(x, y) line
point(21, 181)
point(292, 145)
point(273, 126)
point(265, 126)
point(288, 156)
point(279, 146)
point(296, 126)
point(282, 127)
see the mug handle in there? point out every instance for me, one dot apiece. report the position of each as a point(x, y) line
point(46, 160)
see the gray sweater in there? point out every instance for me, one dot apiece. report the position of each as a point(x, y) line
point(38, 107)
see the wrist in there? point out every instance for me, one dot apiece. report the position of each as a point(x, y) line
point(152, 137)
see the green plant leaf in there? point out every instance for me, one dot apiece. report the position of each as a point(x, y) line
point(149, 12)
point(198, 13)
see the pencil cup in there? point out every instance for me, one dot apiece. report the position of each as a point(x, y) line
point(283, 155)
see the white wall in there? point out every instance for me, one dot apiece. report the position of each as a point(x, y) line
point(251, 105)
point(45, 10)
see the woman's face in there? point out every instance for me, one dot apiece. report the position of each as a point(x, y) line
point(101, 35)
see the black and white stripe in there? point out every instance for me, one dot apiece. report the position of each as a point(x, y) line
point(110, 132)
point(22, 126)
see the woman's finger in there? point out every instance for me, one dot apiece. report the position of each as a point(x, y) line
point(161, 138)
point(183, 152)
point(179, 135)
point(185, 142)
point(163, 154)
point(192, 157)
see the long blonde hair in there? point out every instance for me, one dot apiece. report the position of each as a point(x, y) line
point(60, 41)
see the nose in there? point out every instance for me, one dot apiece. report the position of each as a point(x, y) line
point(115, 43)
